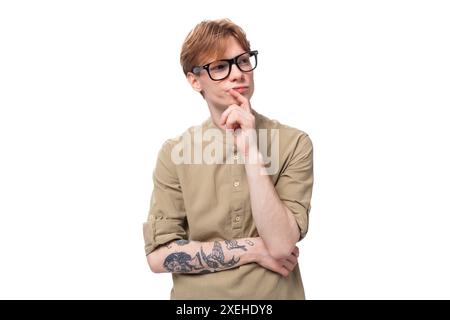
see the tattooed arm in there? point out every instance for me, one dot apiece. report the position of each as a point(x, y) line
point(183, 256)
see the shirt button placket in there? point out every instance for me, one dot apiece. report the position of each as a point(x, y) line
point(237, 213)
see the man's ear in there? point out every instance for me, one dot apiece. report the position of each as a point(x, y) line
point(193, 81)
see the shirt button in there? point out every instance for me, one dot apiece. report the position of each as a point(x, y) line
point(237, 219)
point(236, 183)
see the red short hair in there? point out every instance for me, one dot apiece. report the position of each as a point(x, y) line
point(206, 42)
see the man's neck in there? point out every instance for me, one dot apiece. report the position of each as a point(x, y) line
point(215, 116)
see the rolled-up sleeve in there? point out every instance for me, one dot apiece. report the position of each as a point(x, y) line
point(167, 217)
point(295, 184)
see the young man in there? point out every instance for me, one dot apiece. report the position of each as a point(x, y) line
point(221, 221)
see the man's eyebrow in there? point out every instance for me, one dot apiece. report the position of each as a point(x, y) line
point(218, 59)
point(232, 56)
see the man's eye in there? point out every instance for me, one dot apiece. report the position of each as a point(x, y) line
point(244, 61)
point(218, 67)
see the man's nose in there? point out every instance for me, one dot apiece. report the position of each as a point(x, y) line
point(236, 73)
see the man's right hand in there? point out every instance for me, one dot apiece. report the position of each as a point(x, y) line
point(264, 259)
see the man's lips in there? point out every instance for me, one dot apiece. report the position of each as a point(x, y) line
point(240, 89)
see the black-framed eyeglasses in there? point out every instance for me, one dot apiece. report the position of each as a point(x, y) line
point(220, 69)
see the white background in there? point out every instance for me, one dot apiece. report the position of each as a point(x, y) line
point(89, 90)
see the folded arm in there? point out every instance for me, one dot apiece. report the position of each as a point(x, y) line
point(184, 256)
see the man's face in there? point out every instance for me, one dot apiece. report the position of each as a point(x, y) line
point(215, 92)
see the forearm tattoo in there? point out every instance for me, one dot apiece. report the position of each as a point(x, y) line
point(182, 242)
point(216, 259)
point(250, 242)
point(182, 262)
point(233, 244)
point(178, 262)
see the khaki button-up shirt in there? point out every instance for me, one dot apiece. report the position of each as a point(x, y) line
point(210, 201)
